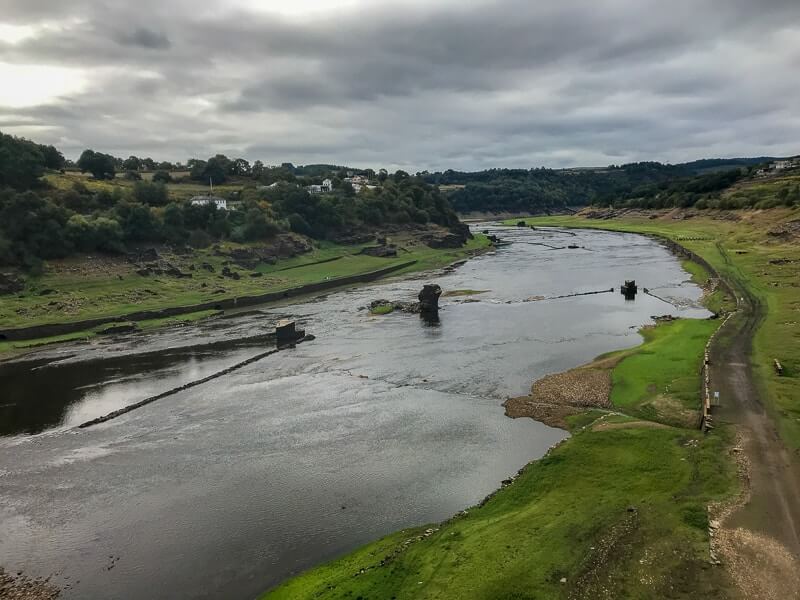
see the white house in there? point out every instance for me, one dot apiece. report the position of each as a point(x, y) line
point(327, 186)
point(220, 203)
point(780, 165)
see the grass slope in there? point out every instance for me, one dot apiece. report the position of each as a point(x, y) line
point(749, 250)
point(77, 289)
point(660, 380)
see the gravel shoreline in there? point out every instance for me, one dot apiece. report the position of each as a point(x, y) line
point(555, 397)
point(21, 587)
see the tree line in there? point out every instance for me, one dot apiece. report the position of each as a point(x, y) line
point(701, 184)
point(38, 222)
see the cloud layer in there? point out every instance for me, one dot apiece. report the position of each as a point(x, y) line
point(409, 84)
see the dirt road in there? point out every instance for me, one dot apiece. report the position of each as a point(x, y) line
point(761, 538)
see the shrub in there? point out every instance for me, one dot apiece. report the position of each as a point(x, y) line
point(152, 194)
point(162, 177)
point(200, 239)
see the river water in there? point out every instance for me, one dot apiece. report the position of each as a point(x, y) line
point(227, 488)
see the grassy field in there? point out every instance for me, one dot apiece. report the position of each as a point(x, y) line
point(756, 251)
point(660, 380)
point(92, 287)
point(177, 191)
point(616, 511)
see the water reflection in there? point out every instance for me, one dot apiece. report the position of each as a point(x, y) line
point(37, 396)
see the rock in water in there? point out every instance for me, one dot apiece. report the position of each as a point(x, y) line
point(429, 298)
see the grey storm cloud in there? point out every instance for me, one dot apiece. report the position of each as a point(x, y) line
point(145, 38)
point(412, 85)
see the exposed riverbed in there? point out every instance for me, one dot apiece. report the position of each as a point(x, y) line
point(380, 423)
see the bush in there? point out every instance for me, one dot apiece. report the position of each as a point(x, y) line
point(200, 239)
point(695, 515)
point(132, 176)
point(162, 177)
point(152, 194)
point(298, 224)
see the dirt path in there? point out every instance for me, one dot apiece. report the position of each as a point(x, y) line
point(765, 530)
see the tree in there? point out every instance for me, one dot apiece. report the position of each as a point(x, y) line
point(161, 177)
point(258, 226)
point(100, 165)
point(53, 159)
point(298, 224)
point(152, 194)
point(138, 222)
point(21, 162)
point(132, 163)
point(239, 167)
point(214, 170)
point(174, 226)
point(102, 234)
point(257, 170)
point(34, 226)
point(217, 169)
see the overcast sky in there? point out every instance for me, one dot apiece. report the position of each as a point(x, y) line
point(415, 84)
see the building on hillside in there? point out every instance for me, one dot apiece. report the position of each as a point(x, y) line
point(359, 182)
point(325, 187)
point(220, 203)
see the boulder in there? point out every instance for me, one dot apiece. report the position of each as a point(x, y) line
point(226, 272)
point(146, 255)
point(444, 240)
point(245, 257)
point(429, 298)
point(10, 284)
point(428, 303)
point(462, 230)
point(173, 271)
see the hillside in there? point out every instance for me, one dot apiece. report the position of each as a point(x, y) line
point(650, 184)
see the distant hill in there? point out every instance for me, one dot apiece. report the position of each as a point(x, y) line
point(707, 165)
point(542, 190)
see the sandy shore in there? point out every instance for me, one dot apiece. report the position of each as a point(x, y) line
point(555, 397)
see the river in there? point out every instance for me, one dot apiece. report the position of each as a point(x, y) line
point(380, 423)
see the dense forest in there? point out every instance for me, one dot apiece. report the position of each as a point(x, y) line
point(645, 184)
point(40, 221)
